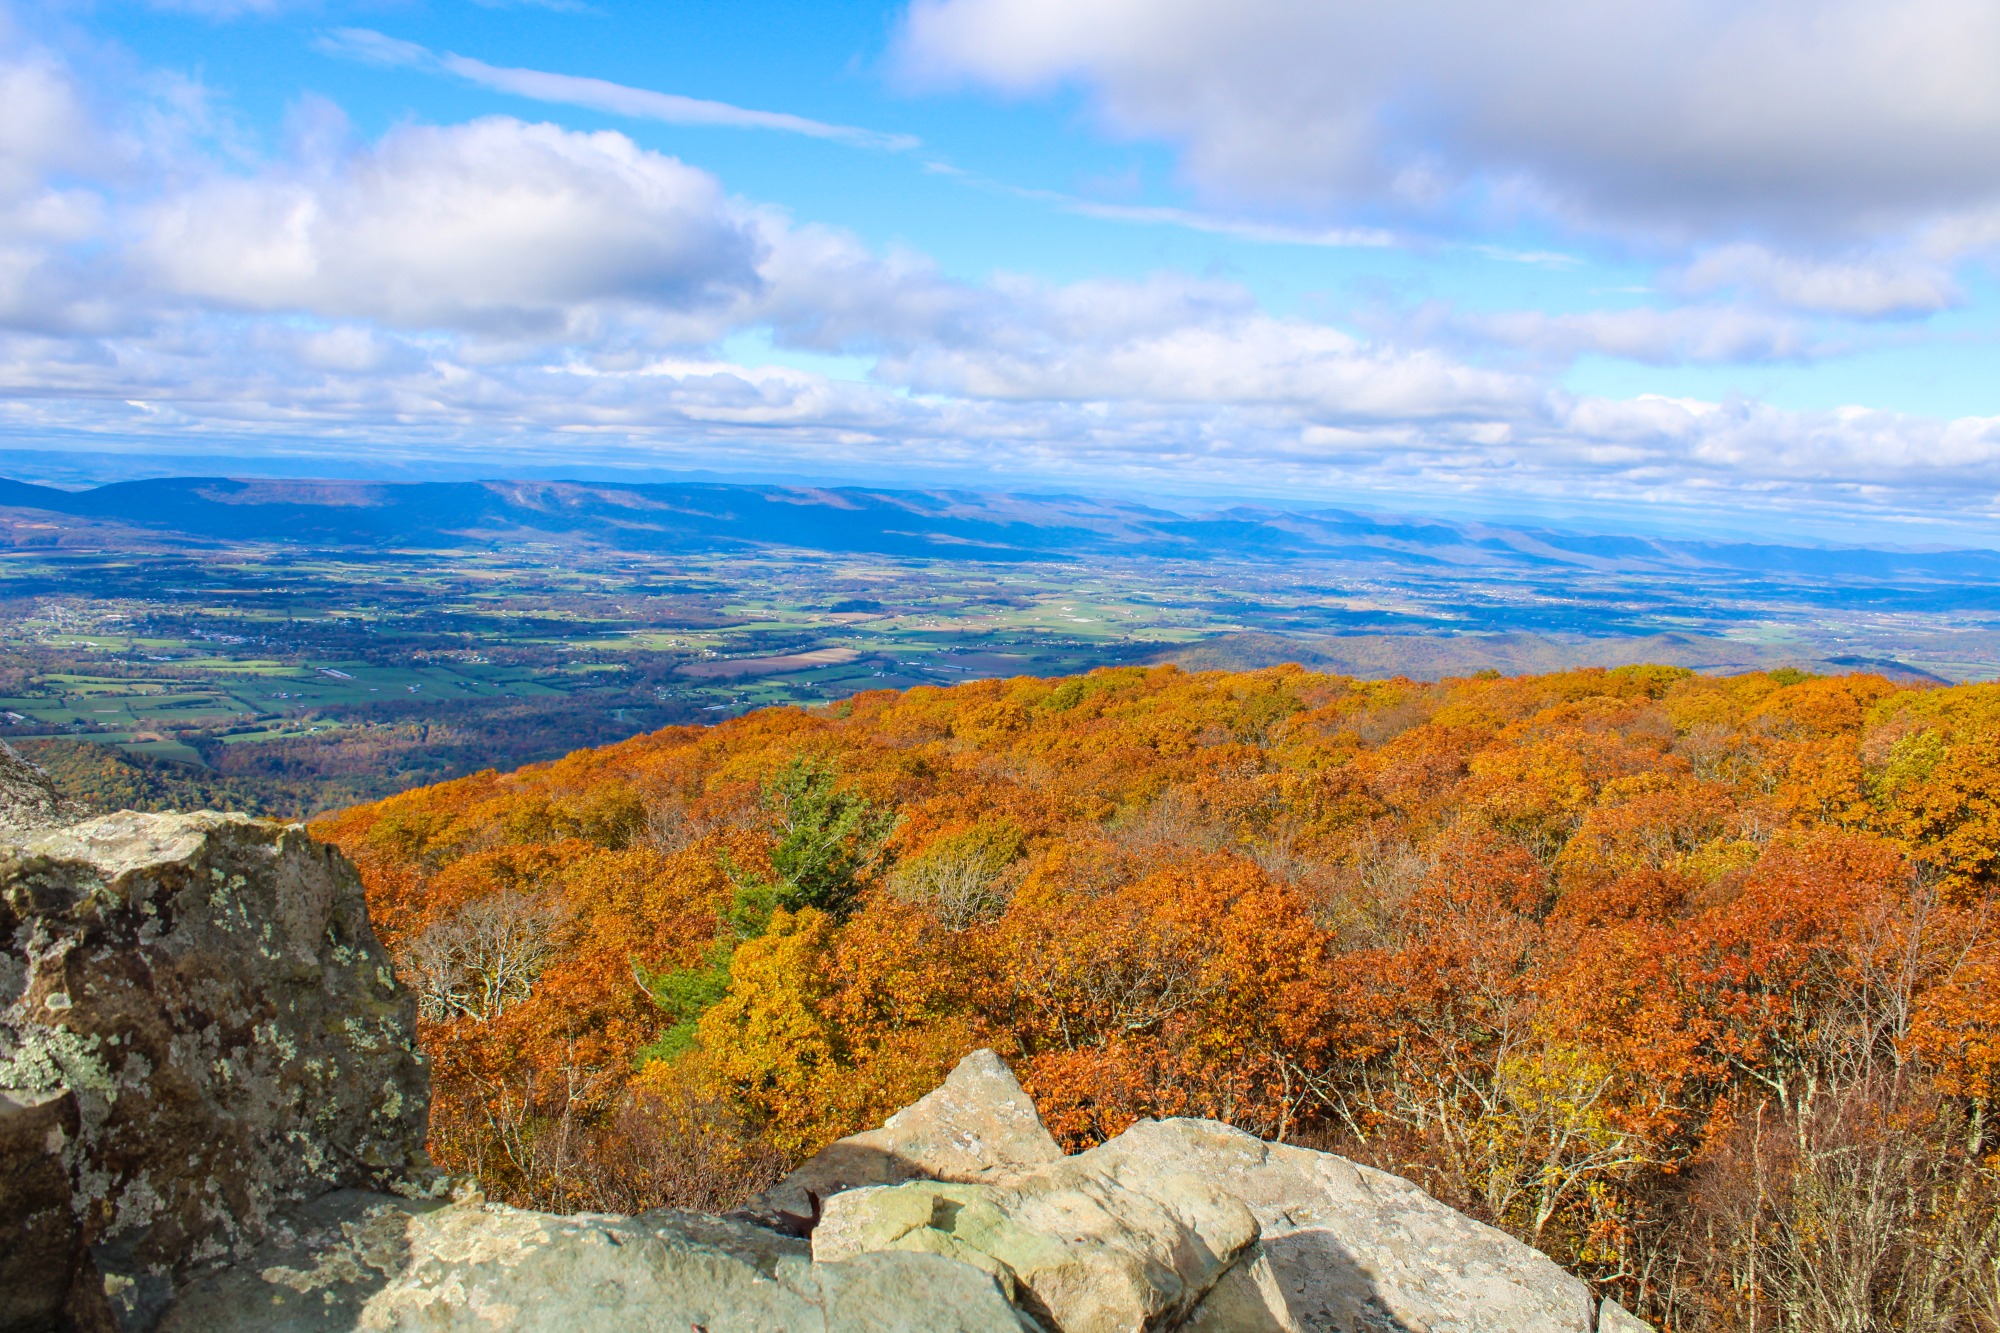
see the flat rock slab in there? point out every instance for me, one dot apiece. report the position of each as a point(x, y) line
point(360, 1261)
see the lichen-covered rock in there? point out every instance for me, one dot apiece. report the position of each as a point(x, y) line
point(1088, 1245)
point(359, 1261)
point(40, 1242)
point(978, 1125)
point(1359, 1250)
point(208, 989)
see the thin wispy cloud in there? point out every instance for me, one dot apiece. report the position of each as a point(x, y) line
point(556, 6)
point(1244, 229)
point(616, 99)
point(1538, 258)
point(1260, 230)
point(1248, 229)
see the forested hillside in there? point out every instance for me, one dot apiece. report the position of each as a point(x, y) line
point(1692, 982)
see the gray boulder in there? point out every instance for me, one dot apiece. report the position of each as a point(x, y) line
point(208, 994)
point(1077, 1246)
point(1354, 1249)
point(978, 1125)
point(358, 1261)
point(1336, 1246)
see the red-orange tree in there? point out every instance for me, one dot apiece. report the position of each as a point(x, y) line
point(1547, 943)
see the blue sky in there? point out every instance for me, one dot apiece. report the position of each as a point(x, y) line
point(1727, 267)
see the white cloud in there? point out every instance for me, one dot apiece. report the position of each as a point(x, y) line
point(1215, 224)
point(1248, 229)
point(1673, 336)
point(1317, 432)
point(46, 127)
point(559, 6)
point(1172, 342)
point(52, 156)
point(373, 48)
point(1865, 286)
point(1682, 117)
point(494, 225)
point(826, 291)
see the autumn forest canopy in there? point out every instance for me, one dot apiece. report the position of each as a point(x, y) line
point(1688, 981)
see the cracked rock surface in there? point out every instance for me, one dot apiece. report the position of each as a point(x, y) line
point(1350, 1248)
point(1144, 1230)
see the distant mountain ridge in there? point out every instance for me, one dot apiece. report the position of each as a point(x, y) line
point(1437, 657)
point(989, 526)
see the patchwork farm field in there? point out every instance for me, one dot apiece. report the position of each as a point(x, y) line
point(330, 680)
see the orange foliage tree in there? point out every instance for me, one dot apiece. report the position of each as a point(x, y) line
point(1628, 962)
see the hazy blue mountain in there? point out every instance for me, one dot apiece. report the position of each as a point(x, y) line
point(949, 524)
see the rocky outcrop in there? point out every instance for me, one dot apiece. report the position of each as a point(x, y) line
point(28, 800)
point(204, 999)
point(1174, 1224)
point(212, 1114)
point(1151, 1218)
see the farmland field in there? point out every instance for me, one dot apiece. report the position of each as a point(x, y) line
point(266, 666)
point(304, 677)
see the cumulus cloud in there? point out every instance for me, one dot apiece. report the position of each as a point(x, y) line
point(1170, 342)
point(495, 225)
point(46, 129)
point(1675, 117)
point(238, 384)
point(53, 154)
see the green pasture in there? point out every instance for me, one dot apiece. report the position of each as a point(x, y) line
point(162, 749)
